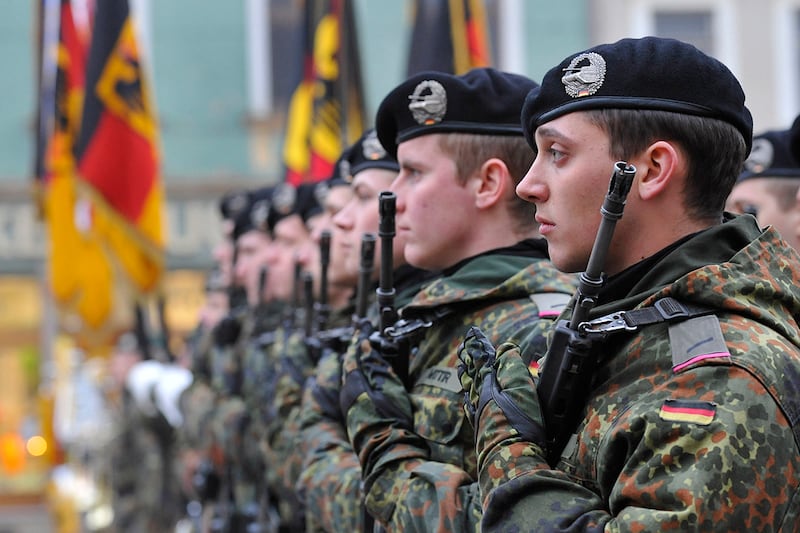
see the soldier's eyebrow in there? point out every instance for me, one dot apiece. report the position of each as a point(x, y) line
point(548, 132)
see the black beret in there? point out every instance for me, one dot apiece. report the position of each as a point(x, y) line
point(306, 203)
point(300, 200)
point(484, 101)
point(794, 139)
point(648, 73)
point(340, 177)
point(368, 152)
point(255, 215)
point(234, 203)
point(771, 157)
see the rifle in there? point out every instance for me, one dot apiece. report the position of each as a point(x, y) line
point(337, 339)
point(262, 283)
point(308, 301)
point(365, 267)
point(395, 339)
point(291, 313)
point(568, 366)
point(323, 309)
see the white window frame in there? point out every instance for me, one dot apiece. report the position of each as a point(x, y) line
point(723, 15)
point(786, 14)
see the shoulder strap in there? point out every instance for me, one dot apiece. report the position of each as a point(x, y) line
point(664, 310)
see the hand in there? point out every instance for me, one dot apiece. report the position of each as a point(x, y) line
point(500, 395)
point(377, 409)
point(365, 370)
point(227, 331)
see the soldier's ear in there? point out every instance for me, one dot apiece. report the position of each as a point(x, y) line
point(662, 167)
point(492, 183)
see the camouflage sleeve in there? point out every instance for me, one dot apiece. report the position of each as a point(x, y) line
point(282, 432)
point(330, 482)
point(418, 495)
point(722, 458)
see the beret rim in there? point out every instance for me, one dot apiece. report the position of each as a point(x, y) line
point(460, 127)
point(383, 165)
point(770, 173)
point(625, 102)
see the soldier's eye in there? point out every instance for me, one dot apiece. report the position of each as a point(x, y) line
point(750, 209)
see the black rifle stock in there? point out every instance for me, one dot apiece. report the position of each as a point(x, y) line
point(568, 367)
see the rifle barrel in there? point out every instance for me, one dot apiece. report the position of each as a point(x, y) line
point(366, 265)
point(386, 231)
point(591, 281)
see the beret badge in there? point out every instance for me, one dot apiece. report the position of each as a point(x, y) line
point(344, 171)
point(236, 203)
point(259, 214)
point(372, 148)
point(283, 198)
point(428, 102)
point(584, 75)
point(760, 157)
point(321, 191)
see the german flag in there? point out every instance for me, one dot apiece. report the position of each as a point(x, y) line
point(102, 196)
point(448, 36)
point(326, 112)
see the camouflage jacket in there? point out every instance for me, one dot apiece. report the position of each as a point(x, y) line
point(689, 425)
point(294, 363)
point(501, 294)
point(329, 484)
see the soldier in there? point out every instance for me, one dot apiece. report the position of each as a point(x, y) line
point(289, 359)
point(688, 417)
point(330, 480)
point(768, 186)
point(235, 373)
point(461, 152)
point(141, 477)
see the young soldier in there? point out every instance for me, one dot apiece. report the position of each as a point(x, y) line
point(461, 153)
point(689, 418)
point(294, 354)
point(330, 480)
point(768, 186)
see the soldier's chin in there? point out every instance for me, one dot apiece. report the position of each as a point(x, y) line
point(419, 258)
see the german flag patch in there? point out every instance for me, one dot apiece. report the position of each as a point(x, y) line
point(700, 413)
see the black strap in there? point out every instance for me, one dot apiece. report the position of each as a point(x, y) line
point(664, 310)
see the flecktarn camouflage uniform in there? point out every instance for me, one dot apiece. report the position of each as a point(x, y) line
point(330, 479)
point(435, 488)
point(688, 426)
point(294, 364)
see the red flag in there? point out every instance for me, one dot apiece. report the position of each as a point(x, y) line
point(448, 36)
point(104, 198)
point(326, 112)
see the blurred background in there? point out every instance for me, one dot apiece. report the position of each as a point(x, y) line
point(215, 95)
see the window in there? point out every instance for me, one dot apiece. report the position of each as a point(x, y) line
point(693, 27)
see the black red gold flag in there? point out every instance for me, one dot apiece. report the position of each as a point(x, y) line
point(326, 112)
point(101, 188)
point(448, 36)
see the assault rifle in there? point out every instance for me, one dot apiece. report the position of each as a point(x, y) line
point(308, 300)
point(290, 317)
point(395, 339)
point(322, 308)
point(337, 339)
point(568, 367)
point(365, 267)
